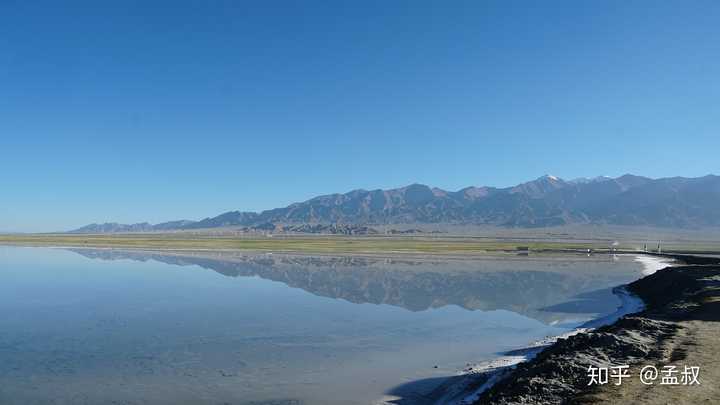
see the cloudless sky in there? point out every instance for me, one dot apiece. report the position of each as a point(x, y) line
point(133, 111)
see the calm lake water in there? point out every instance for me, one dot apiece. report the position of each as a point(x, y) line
point(129, 327)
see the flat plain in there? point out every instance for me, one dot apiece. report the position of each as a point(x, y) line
point(335, 244)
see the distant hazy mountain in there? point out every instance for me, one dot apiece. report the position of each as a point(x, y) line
point(546, 201)
point(110, 227)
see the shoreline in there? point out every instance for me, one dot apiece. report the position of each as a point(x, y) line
point(467, 386)
point(676, 299)
point(492, 372)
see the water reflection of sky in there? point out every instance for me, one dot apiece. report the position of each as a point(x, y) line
point(160, 328)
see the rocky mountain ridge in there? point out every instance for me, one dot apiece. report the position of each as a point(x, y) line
point(547, 201)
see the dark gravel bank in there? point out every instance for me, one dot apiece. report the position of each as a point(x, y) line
point(677, 299)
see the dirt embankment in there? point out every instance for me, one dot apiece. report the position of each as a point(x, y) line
point(679, 327)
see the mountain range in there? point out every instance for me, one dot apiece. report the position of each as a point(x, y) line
point(675, 202)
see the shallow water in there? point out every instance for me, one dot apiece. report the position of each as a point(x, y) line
point(109, 326)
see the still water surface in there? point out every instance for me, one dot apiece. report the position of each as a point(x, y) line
point(130, 327)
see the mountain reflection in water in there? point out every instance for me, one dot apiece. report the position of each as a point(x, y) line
point(133, 326)
point(549, 289)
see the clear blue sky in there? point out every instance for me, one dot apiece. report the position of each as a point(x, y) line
point(134, 111)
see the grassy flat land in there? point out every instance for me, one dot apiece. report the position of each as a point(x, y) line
point(305, 244)
point(431, 245)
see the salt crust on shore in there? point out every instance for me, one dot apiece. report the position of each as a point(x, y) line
point(651, 264)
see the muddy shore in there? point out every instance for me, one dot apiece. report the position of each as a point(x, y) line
point(679, 327)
